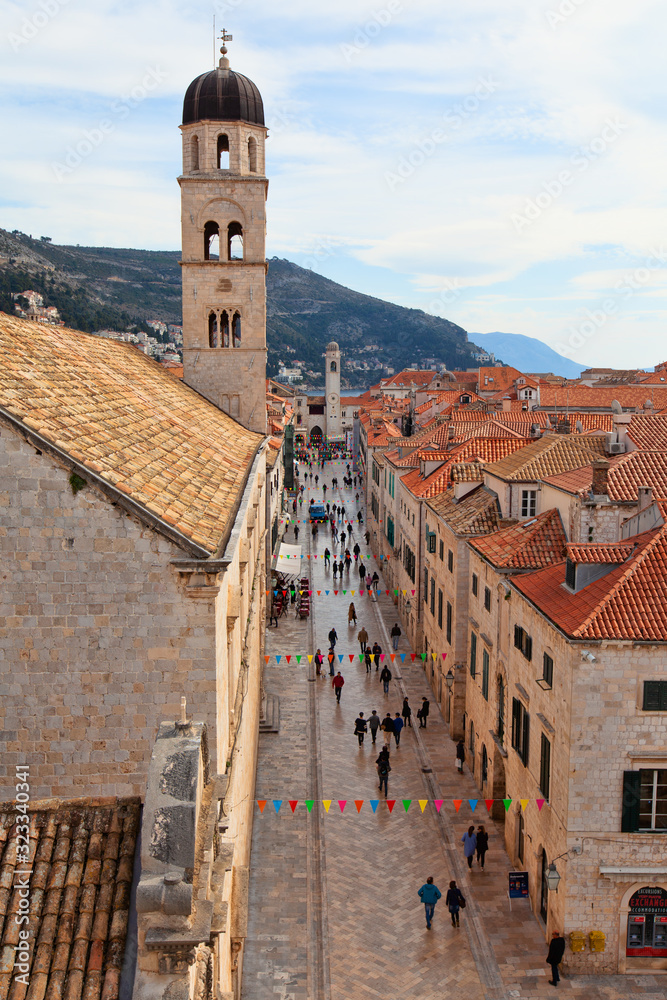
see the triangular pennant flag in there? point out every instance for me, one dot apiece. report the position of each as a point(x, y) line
point(422, 804)
point(266, 659)
point(310, 594)
point(396, 592)
point(473, 804)
point(351, 657)
point(298, 659)
point(284, 593)
point(361, 657)
point(412, 656)
point(392, 657)
point(457, 803)
point(310, 657)
point(402, 656)
point(524, 803)
point(278, 658)
point(336, 593)
point(489, 804)
point(352, 593)
point(423, 655)
point(344, 593)
point(406, 803)
point(340, 657)
point(293, 803)
point(540, 803)
point(438, 804)
point(319, 593)
point(327, 804)
point(374, 804)
point(387, 593)
point(308, 557)
point(309, 804)
point(261, 803)
point(288, 658)
point(507, 803)
point(444, 656)
point(326, 593)
point(277, 804)
point(358, 803)
point(342, 803)
point(390, 804)
point(382, 657)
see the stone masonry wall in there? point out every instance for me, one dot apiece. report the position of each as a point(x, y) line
point(97, 640)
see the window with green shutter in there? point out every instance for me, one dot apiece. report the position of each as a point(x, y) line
point(655, 696)
point(485, 674)
point(473, 654)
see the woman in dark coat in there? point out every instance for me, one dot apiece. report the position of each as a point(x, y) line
point(482, 845)
point(454, 899)
point(407, 713)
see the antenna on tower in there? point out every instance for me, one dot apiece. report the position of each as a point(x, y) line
point(214, 41)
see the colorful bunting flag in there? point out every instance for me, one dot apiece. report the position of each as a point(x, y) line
point(261, 803)
point(293, 803)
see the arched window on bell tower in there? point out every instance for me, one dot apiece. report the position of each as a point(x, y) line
point(213, 330)
point(194, 153)
point(224, 329)
point(234, 241)
point(211, 241)
point(236, 330)
point(333, 367)
point(223, 152)
point(252, 155)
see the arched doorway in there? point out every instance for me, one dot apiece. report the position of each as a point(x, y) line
point(316, 437)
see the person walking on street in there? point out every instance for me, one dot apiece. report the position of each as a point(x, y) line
point(356, 551)
point(348, 560)
point(375, 582)
point(362, 574)
point(363, 638)
point(460, 755)
point(424, 710)
point(377, 651)
point(333, 636)
point(340, 569)
point(387, 728)
point(327, 558)
point(296, 532)
point(331, 661)
point(360, 727)
point(385, 677)
point(273, 616)
point(335, 569)
point(367, 536)
point(395, 635)
point(407, 713)
point(318, 663)
point(454, 900)
point(351, 614)
point(383, 769)
point(337, 685)
point(429, 895)
point(343, 536)
point(374, 724)
point(368, 660)
point(482, 845)
point(555, 956)
point(469, 841)
point(398, 726)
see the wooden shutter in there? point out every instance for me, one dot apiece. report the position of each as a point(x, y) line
point(630, 808)
point(525, 741)
point(518, 633)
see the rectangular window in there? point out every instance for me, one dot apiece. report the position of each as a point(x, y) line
point(545, 766)
point(528, 503)
point(520, 730)
point(653, 800)
point(432, 596)
point(475, 585)
point(523, 642)
point(547, 670)
point(375, 507)
point(485, 674)
point(442, 550)
point(390, 530)
point(409, 562)
point(376, 473)
point(431, 542)
point(450, 560)
point(449, 623)
point(487, 598)
point(425, 586)
point(473, 654)
point(655, 696)
point(439, 609)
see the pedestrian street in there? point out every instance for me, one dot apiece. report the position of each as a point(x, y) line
point(334, 912)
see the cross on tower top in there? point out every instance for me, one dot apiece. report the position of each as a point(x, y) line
point(224, 38)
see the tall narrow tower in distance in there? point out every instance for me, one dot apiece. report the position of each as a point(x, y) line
point(332, 391)
point(223, 223)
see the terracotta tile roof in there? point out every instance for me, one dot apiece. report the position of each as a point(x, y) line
point(591, 552)
point(649, 433)
point(82, 857)
point(488, 428)
point(484, 449)
point(174, 368)
point(526, 545)
point(576, 396)
point(474, 514)
point(498, 379)
point(630, 602)
point(626, 474)
point(553, 453)
point(467, 472)
point(407, 378)
point(124, 417)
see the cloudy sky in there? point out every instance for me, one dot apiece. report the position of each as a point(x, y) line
point(497, 162)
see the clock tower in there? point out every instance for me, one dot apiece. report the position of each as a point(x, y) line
point(332, 391)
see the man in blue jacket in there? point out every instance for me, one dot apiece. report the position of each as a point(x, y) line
point(429, 895)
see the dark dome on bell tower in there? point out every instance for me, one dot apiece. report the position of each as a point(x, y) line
point(223, 95)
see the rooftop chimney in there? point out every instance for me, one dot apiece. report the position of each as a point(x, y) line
point(600, 472)
point(644, 498)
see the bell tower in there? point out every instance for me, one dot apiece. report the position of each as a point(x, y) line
point(332, 390)
point(223, 225)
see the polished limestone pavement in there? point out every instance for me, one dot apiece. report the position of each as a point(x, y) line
point(334, 912)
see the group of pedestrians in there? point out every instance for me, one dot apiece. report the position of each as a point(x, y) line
point(388, 727)
point(475, 843)
point(454, 900)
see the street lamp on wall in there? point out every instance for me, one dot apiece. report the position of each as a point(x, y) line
point(449, 680)
point(552, 876)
